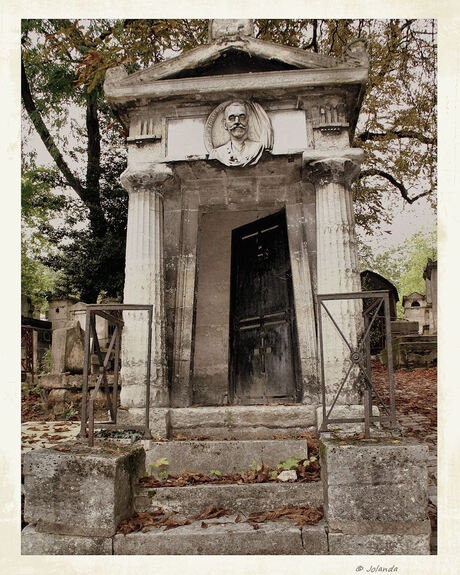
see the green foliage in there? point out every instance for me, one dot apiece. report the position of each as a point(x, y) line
point(39, 204)
point(292, 463)
point(45, 364)
point(215, 472)
point(403, 265)
point(289, 464)
point(255, 466)
point(69, 412)
point(160, 467)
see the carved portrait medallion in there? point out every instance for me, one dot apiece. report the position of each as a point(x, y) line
point(237, 132)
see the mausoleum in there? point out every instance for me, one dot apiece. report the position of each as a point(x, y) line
point(240, 212)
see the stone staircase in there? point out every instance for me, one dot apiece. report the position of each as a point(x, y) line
point(229, 534)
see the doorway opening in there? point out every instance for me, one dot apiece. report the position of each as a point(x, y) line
point(263, 349)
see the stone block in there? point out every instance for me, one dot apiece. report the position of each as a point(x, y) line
point(78, 490)
point(68, 349)
point(226, 456)
point(34, 542)
point(228, 539)
point(378, 544)
point(381, 480)
point(245, 499)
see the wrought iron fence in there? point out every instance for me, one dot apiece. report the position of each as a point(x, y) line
point(113, 314)
point(360, 356)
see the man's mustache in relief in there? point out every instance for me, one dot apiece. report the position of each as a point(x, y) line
point(237, 125)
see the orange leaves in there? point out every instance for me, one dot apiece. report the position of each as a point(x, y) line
point(158, 518)
point(301, 516)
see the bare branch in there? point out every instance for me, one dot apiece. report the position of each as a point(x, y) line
point(400, 134)
point(45, 135)
point(314, 41)
point(401, 187)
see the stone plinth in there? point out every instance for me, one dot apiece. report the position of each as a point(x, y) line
point(375, 496)
point(78, 490)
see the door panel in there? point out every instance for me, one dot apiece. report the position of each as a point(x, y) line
point(262, 336)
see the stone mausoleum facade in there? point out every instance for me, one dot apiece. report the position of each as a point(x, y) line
point(240, 212)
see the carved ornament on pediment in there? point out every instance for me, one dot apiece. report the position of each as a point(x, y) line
point(237, 132)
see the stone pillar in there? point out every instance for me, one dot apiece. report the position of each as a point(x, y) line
point(337, 265)
point(144, 284)
point(303, 297)
point(181, 390)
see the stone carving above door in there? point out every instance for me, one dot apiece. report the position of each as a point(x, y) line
point(237, 132)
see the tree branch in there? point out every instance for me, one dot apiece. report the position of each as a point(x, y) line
point(400, 134)
point(45, 135)
point(401, 187)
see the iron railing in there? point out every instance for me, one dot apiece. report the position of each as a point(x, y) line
point(27, 344)
point(360, 357)
point(113, 314)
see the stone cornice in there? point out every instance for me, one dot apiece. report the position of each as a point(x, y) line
point(150, 178)
point(119, 93)
point(329, 166)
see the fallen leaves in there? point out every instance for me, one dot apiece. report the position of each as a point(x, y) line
point(415, 395)
point(158, 518)
point(301, 516)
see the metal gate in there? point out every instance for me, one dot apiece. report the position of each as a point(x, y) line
point(360, 357)
point(113, 314)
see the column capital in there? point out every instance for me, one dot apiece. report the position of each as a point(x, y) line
point(147, 178)
point(330, 166)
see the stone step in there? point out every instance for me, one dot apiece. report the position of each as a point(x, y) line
point(225, 456)
point(225, 537)
point(245, 499)
point(243, 422)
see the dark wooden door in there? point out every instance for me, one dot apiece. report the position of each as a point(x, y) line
point(262, 331)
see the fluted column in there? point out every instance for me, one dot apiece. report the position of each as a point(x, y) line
point(144, 284)
point(337, 267)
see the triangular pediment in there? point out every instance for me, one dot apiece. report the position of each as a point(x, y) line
point(233, 56)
